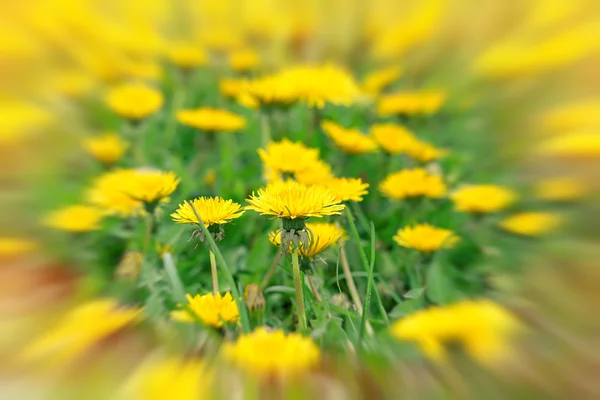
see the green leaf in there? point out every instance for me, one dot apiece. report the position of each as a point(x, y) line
point(405, 308)
point(440, 289)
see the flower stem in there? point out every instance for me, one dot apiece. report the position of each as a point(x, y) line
point(269, 275)
point(349, 280)
point(176, 285)
point(365, 262)
point(148, 219)
point(298, 285)
point(313, 288)
point(213, 272)
point(239, 301)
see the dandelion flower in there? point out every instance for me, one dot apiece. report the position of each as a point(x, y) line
point(264, 353)
point(107, 148)
point(272, 92)
point(425, 238)
point(530, 223)
point(244, 60)
point(347, 189)
point(379, 80)
point(577, 115)
point(416, 182)
point(324, 234)
point(351, 141)
point(394, 139)
point(212, 210)
point(292, 200)
point(134, 101)
point(169, 377)
point(211, 120)
point(580, 145)
point(151, 186)
point(411, 103)
point(483, 198)
point(79, 330)
point(13, 247)
point(109, 193)
point(211, 309)
point(560, 190)
point(482, 328)
point(78, 218)
point(317, 173)
point(287, 156)
point(186, 56)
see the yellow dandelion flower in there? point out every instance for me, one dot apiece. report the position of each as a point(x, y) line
point(379, 80)
point(107, 148)
point(351, 141)
point(318, 172)
point(244, 60)
point(233, 88)
point(483, 198)
point(78, 218)
point(79, 330)
point(186, 56)
point(287, 156)
point(325, 234)
point(151, 186)
point(211, 120)
point(575, 116)
point(212, 210)
point(264, 353)
point(134, 101)
point(73, 84)
point(347, 189)
point(530, 223)
point(20, 120)
point(580, 145)
point(109, 193)
point(169, 377)
point(272, 91)
point(425, 238)
point(425, 152)
point(291, 200)
point(560, 189)
point(411, 103)
point(394, 139)
point(482, 328)
point(211, 309)
point(14, 247)
point(145, 70)
point(414, 182)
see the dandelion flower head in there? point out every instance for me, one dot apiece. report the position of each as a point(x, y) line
point(186, 56)
point(411, 103)
point(579, 145)
point(483, 198)
point(425, 238)
point(109, 193)
point(379, 80)
point(318, 172)
point(393, 138)
point(134, 101)
point(244, 60)
point(107, 148)
point(288, 157)
point(151, 186)
point(210, 120)
point(347, 189)
point(351, 141)
point(324, 234)
point(560, 189)
point(77, 218)
point(530, 223)
point(211, 309)
point(414, 182)
point(212, 210)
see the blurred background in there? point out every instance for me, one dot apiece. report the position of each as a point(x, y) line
point(525, 72)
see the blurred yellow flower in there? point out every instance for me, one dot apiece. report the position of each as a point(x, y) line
point(580, 145)
point(77, 218)
point(560, 189)
point(107, 148)
point(233, 88)
point(530, 223)
point(482, 328)
point(575, 116)
point(414, 182)
point(79, 330)
point(15, 246)
point(291, 200)
point(379, 80)
point(272, 91)
point(212, 210)
point(211, 309)
point(20, 120)
point(244, 60)
point(483, 198)
point(150, 186)
point(316, 173)
point(211, 120)
point(134, 101)
point(393, 138)
point(324, 234)
point(168, 377)
point(72, 83)
point(266, 353)
point(425, 238)
point(351, 141)
point(287, 156)
point(144, 70)
point(411, 103)
point(108, 192)
point(425, 152)
point(186, 56)
point(346, 189)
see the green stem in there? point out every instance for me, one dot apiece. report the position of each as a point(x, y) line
point(176, 285)
point(225, 268)
point(213, 272)
point(365, 262)
point(271, 271)
point(148, 219)
point(363, 324)
point(298, 285)
point(178, 101)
